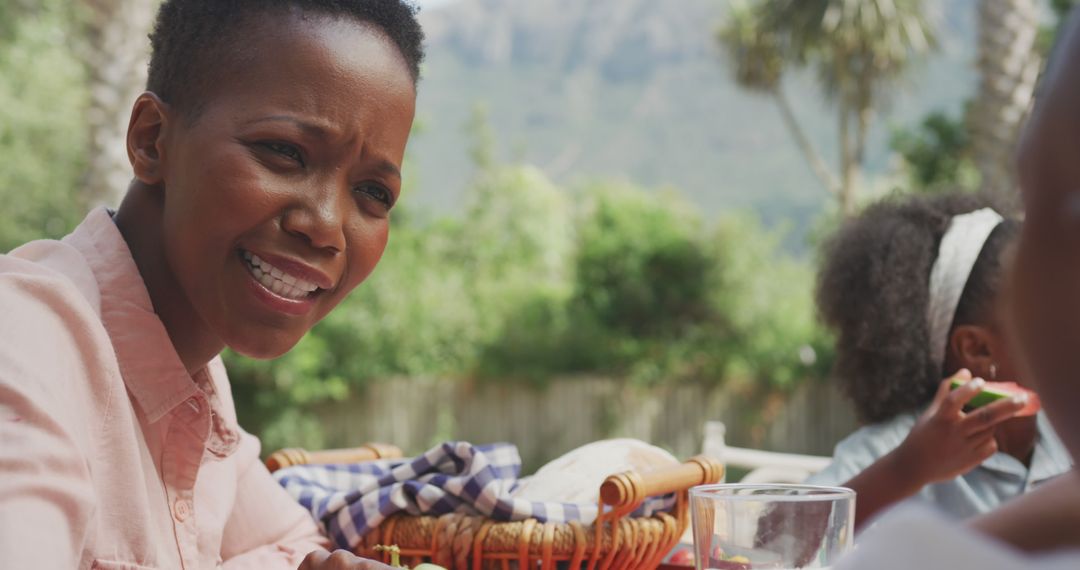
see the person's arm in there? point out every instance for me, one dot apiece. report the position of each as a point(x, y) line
point(46, 495)
point(944, 444)
point(267, 528)
point(1043, 520)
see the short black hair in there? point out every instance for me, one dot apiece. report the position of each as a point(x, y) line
point(192, 37)
point(873, 291)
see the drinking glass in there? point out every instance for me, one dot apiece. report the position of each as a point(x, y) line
point(744, 527)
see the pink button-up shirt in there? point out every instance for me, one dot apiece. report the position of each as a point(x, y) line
point(111, 454)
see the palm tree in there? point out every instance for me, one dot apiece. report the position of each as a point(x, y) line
point(115, 54)
point(859, 48)
point(758, 64)
point(1009, 66)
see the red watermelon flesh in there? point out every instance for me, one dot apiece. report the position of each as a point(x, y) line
point(994, 391)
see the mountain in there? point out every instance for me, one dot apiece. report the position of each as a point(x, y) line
point(637, 90)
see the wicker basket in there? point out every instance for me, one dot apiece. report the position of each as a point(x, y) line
point(615, 541)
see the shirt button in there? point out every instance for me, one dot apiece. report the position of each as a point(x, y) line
point(182, 509)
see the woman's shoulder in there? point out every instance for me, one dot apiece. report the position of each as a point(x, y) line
point(912, 536)
point(51, 332)
point(50, 271)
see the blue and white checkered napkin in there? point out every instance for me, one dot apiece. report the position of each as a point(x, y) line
point(455, 477)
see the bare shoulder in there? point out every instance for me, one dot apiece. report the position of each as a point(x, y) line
point(918, 537)
point(1047, 519)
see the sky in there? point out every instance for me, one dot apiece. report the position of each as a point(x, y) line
point(432, 3)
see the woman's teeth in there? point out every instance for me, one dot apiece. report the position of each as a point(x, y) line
point(276, 280)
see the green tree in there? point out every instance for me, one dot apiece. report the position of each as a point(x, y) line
point(975, 150)
point(114, 50)
point(936, 155)
point(643, 268)
point(857, 48)
point(1009, 64)
point(42, 101)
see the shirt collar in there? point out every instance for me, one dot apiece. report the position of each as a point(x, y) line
point(1049, 458)
point(152, 370)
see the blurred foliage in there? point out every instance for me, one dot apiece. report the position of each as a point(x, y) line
point(860, 51)
point(1049, 32)
point(42, 131)
point(530, 286)
point(936, 156)
point(642, 265)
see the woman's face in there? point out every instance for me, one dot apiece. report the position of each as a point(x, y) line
point(277, 194)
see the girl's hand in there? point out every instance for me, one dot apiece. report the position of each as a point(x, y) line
point(339, 560)
point(947, 442)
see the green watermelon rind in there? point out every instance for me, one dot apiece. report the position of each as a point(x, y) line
point(986, 396)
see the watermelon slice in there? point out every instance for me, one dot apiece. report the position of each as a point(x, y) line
point(994, 391)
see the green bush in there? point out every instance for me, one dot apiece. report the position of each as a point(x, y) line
point(768, 296)
point(43, 97)
point(642, 264)
point(937, 155)
point(523, 287)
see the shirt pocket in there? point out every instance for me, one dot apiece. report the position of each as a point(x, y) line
point(100, 564)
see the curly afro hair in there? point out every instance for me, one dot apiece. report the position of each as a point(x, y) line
point(872, 291)
point(193, 40)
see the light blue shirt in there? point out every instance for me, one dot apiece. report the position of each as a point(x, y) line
point(996, 480)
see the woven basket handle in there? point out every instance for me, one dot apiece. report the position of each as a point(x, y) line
point(630, 488)
point(295, 456)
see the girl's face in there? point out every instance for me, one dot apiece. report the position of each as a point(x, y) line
point(277, 194)
point(984, 348)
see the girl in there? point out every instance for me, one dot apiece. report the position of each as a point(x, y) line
point(911, 289)
point(266, 156)
point(1044, 308)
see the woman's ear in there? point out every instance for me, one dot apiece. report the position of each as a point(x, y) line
point(972, 347)
point(145, 138)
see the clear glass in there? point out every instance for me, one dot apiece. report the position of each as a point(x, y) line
point(743, 527)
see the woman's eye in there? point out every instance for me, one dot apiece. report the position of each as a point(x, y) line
point(287, 150)
point(377, 193)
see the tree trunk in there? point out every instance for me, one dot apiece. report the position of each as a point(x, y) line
point(803, 142)
point(1008, 67)
point(848, 165)
point(115, 54)
point(863, 115)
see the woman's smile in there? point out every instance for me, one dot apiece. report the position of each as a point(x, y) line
point(285, 285)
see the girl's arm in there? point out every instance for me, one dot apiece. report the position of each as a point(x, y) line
point(944, 444)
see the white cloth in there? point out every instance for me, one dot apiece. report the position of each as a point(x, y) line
point(576, 476)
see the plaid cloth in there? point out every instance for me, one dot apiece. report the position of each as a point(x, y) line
point(455, 477)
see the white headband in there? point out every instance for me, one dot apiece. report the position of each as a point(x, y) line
point(957, 254)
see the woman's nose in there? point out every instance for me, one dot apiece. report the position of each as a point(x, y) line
point(319, 217)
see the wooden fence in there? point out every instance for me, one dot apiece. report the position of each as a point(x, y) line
point(415, 413)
